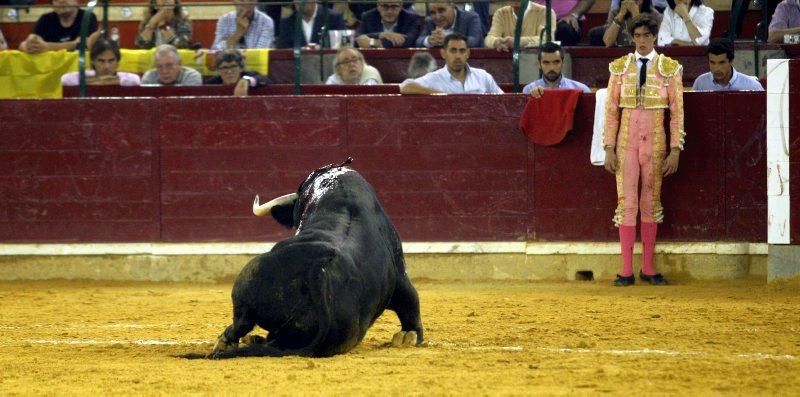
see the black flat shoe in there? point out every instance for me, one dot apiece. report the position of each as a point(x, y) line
point(624, 281)
point(656, 279)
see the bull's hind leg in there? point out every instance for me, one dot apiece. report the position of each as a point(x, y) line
point(405, 302)
point(229, 339)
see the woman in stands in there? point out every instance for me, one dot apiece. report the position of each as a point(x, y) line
point(615, 32)
point(686, 22)
point(350, 68)
point(164, 22)
point(105, 57)
point(230, 65)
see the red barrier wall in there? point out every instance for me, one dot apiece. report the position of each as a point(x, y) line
point(446, 168)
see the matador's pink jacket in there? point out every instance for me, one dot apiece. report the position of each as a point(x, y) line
point(663, 89)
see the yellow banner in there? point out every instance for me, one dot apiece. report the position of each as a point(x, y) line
point(23, 75)
point(140, 61)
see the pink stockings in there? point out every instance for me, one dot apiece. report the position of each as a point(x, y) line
point(627, 237)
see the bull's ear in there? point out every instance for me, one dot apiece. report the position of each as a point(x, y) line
point(284, 214)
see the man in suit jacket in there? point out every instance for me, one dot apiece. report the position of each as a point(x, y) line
point(481, 8)
point(313, 21)
point(446, 18)
point(388, 26)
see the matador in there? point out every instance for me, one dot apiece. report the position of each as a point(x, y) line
point(641, 86)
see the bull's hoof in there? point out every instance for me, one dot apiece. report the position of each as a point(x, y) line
point(404, 339)
point(254, 340)
point(220, 347)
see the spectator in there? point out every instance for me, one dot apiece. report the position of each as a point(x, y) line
point(551, 60)
point(3, 42)
point(686, 22)
point(350, 68)
point(388, 26)
point(785, 20)
point(313, 19)
point(164, 22)
point(359, 8)
point(723, 76)
point(479, 7)
point(641, 86)
point(273, 11)
point(504, 25)
point(60, 29)
point(456, 77)
point(169, 71)
point(421, 64)
point(230, 66)
point(658, 5)
point(615, 32)
point(570, 14)
point(105, 58)
point(445, 18)
point(244, 27)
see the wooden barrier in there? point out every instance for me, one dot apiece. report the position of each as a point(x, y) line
point(447, 168)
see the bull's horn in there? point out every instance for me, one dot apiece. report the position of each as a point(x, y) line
point(263, 209)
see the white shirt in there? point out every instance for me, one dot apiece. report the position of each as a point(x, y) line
point(478, 81)
point(388, 28)
point(673, 27)
point(639, 57)
point(308, 27)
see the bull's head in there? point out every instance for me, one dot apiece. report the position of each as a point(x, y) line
point(281, 208)
point(284, 208)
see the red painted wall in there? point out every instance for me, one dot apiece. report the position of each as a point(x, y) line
point(446, 168)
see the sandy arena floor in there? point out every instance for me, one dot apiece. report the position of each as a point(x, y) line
point(494, 338)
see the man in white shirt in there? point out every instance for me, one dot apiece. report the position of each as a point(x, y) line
point(456, 77)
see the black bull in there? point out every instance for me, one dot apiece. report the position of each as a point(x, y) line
point(319, 291)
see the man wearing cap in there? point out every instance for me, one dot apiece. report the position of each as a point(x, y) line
point(641, 86)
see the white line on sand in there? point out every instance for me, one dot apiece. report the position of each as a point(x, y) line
point(100, 326)
point(432, 344)
point(93, 342)
point(618, 352)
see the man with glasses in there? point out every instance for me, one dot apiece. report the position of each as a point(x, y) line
point(456, 77)
point(169, 71)
point(641, 86)
point(245, 27)
point(350, 68)
point(230, 66)
point(445, 18)
point(388, 26)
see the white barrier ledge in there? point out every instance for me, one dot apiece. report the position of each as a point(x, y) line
point(460, 247)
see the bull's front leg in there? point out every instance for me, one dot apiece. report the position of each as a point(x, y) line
point(229, 339)
point(225, 342)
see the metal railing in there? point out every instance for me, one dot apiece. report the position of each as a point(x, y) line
point(738, 7)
